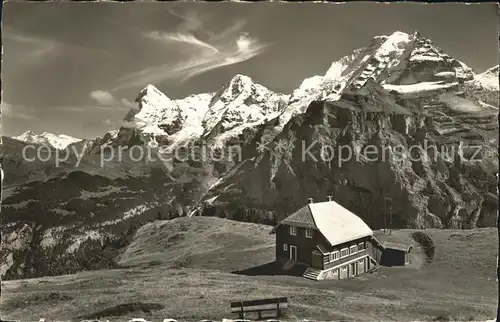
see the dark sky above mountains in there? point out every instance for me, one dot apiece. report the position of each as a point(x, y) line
point(76, 68)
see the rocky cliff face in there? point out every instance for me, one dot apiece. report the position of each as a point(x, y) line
point(404, 123)
point(397, 119)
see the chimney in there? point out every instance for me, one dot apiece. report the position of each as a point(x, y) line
point(329, 198)
point(310, 200)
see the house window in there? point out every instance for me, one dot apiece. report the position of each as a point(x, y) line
point(293, 230)
point(285, 247)
point(334, 256)
point(344, 268)
point(361, 246)
point(309, 233)
point(344, 252)
point(353, 249)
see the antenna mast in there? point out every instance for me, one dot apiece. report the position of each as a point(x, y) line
point(385, 213)
point(390, 214)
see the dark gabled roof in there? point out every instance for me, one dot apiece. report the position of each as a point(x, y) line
point(396, 246)
point(301, 218)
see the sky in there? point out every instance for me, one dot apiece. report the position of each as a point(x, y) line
point(76, 68)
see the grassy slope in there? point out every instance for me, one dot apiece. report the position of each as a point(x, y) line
point(201, 242)
point(460, 283)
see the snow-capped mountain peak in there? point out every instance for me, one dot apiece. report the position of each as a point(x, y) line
point(240, 86)
point(403, 59)
point(151, 92)
point(489, 79)
point(28, 135)
point(394, 45)
point(153, 104)
point(241, 80)
point(239, 104)
point(391, 62)
point(60, 141)
point(154, 108)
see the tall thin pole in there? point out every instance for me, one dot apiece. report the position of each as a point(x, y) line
point(385, 213)
point(390, 216)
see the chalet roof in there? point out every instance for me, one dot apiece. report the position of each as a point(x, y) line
point(301, 218)
point(396, 246)
point(337, 224)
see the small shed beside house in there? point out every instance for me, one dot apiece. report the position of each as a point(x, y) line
point(395, 254)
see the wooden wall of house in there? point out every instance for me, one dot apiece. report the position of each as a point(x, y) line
point(317, 260)
point(305, 246)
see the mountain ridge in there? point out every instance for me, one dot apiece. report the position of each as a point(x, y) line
point(57, 141)
point(150, 99)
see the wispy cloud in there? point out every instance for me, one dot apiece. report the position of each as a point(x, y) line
point(16, 111)
point(84, 108)
point(113, 111)
point(79, 109)
point(31, 46)
point(179, 38)
point(117, 123)
point(191, 21)
point(110, 122)
point(106, 100)
point(198, 54)
point(102, 97)
point(127, 103)
point(6, 108)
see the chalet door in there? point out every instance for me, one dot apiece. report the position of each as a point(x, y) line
point(293, 252)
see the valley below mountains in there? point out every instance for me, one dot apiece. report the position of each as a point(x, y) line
point(431, 119)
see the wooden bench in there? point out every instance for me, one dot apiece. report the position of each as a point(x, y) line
point(259, 306)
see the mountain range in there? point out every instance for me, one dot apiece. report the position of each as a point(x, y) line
point(269, 152)
point(59, 142)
